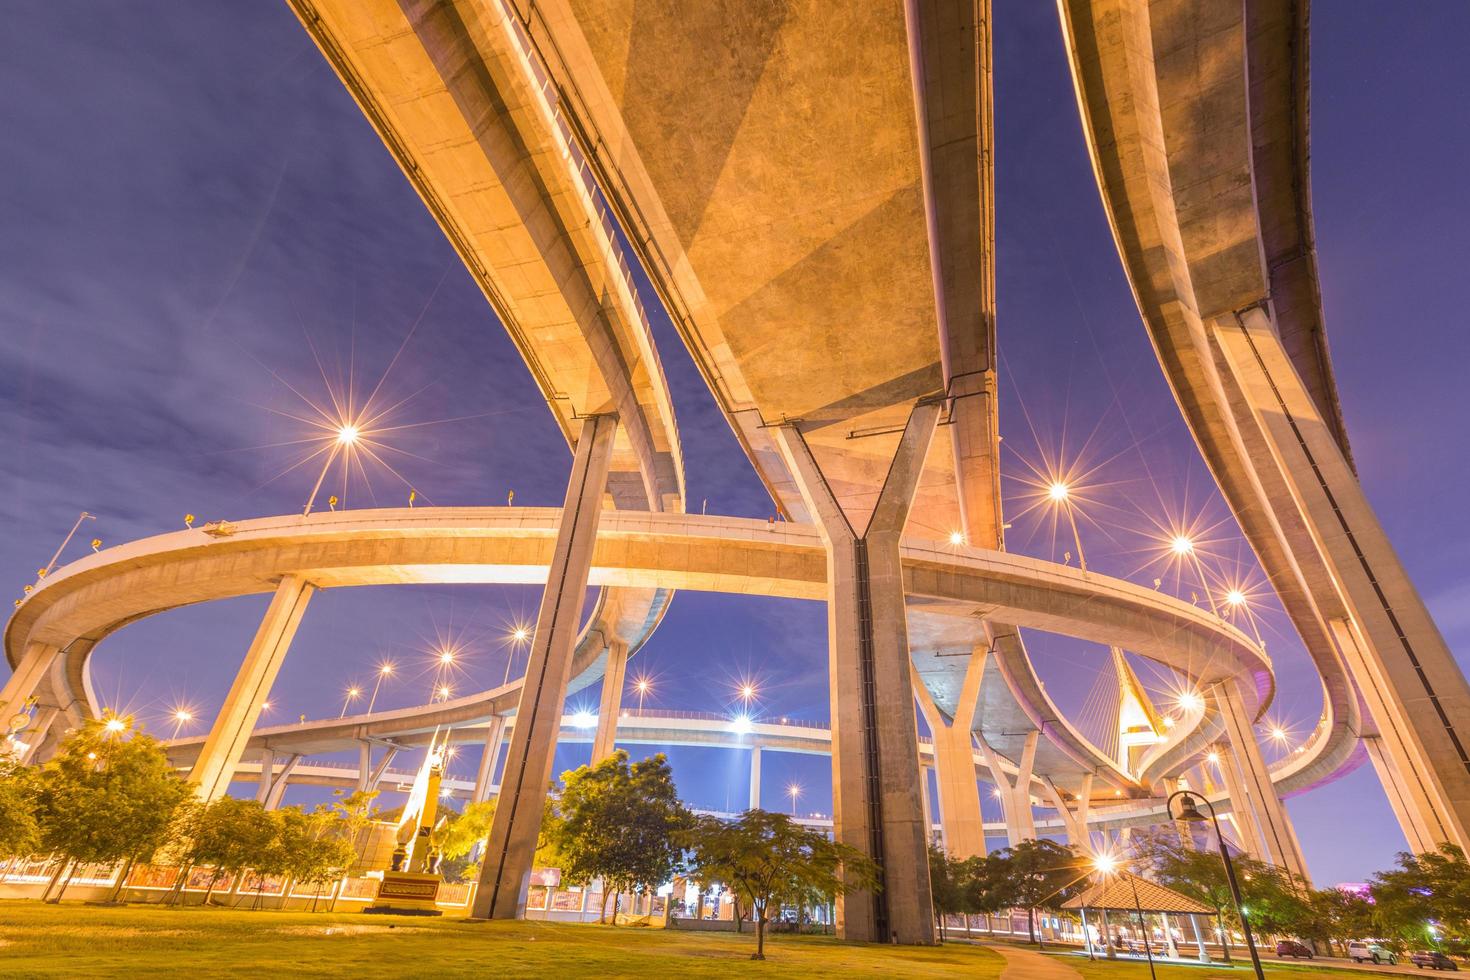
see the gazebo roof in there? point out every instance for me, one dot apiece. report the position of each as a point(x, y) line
point(1117, 891)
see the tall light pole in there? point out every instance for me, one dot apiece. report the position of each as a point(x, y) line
point(84, 516)
point(384, 670)
point(1183, 546)
point(1061, 495)
point(353, 693)
point(1189, 812)
point(518, 637)
point(642, 685)
point(793, 791)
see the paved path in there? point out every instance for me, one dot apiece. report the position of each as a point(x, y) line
point(1026, 964)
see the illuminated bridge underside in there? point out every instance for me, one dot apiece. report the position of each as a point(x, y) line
point(81, 604)
point(647, 727)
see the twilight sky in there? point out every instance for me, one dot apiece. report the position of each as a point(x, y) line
point(196, 224)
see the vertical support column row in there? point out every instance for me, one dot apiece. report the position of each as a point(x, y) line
point(1015, 795)
point(505, 872)
point(1271, 819)
point(612, 701)
point(875, 757)
point(222, 749)
point(954, 761)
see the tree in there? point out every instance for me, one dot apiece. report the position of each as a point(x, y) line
point(228, 834)
point(946, 884)
point(19, 834)
point(1426, 899)
point(766, 858)
point(460, 835)
point(621, 823)
point(107, 796)
point(985, 886)
point(1038, 874)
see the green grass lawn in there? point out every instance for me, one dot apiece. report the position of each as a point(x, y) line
point(1128, 970)
point(147, 941)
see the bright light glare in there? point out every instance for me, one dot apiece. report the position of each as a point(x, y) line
point(1105, 864)
point(584, 719)
point(1278, 733)
point(956, 537)
point(444, 692)
point(521, 634)
point(747, 691)
point(740, 725)
point(1214, 758)
point(386, 669)
point(793, 790)
point(1168, 721)
point(353, 692)
point(347, 435)
point(1190, 701)
point(1181, 545)
point(446, 657)
point(643, 687)
point(1058, 492)
point(182, 715)
point(1235, 597)
point(115, 725)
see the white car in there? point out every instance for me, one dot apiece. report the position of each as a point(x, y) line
point(1363, 952)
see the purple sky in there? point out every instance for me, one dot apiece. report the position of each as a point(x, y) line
point(194, 216)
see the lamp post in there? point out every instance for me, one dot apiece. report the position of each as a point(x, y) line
point(1189, 812)
point(384, 669)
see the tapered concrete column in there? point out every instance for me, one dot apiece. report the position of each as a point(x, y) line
point(1242, 814)
point(1272, 821)
point(215, 766)
point(1015, 794)
point(1074, 818)
point(485, 777)
point(875, 752)
point(928, 806)
point(364, 764)
point(36, 734)
point(755, 777)
point(38, 658)
point(1416, 693)
point(612, 701)
point(954, 761)
point(381, 768)
point(505, 873)
point(267, 775)
point(279, 782)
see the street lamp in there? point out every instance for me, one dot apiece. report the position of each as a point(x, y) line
point(793, 791)
point(385, 669)
point(353, 693)
point(643, 685)
point(1061, 495)
point(1189, 812)
point(181, 717)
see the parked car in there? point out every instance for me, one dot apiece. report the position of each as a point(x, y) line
point(1432, 959)
point(1292, 948)
point(1364, 952)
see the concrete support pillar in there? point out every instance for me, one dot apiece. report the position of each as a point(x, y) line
point(1015, 794)
point(267, 775)
point(485, 777)
point(364, 764)
point(612, 701)
point(1416, 693)
point(875, 753)
point(928, 806)
point(1074, 818)
point(755, 777)
point(215, 766)
point(382, 767)
point(505, 873)
point(954, 761)
point(278, 783)
point(1272, 821)
point(37, 659)
point(36, 734)
point(1242, 815)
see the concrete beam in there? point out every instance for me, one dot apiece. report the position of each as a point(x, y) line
point(236, 719)
point(875, 757)
point(505, 874)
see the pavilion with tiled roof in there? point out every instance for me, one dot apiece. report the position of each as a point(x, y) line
point(1133, 895)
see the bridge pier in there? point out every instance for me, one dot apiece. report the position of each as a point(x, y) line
point(875, 752)
point(1272, 823)
point(755, 777)
point(954, 761)
point(605, 740)
point(1074, 819)
point(485, 777)
point(34, 663)
point(1415, 691)
point(506, 868)
point(1015, 795)
point(221, 752)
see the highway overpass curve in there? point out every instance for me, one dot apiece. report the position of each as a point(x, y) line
point(85, 601)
